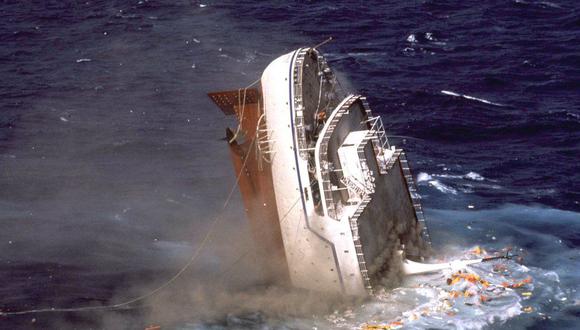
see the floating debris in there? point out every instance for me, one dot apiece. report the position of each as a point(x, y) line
point(527, 309)
point(392, 325)
point(481, 289)
point(478, 251)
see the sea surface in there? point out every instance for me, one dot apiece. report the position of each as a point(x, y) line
point(113, 165)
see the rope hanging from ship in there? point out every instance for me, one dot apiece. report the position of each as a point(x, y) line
point(196, 253)
point(182, 270)
point(172, 279)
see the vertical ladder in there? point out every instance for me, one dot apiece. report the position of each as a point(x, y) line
point(380, 142)
point(415, 198)
point(357, 243)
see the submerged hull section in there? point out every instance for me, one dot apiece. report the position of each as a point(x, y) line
point(343, 196)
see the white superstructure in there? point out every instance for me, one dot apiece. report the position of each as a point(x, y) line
point(344, 201)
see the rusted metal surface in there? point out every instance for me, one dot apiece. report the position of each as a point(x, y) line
point(227, 101)
point(255, 184)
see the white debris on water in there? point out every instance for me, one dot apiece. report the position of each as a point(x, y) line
point(474, 297)
point(81, 60)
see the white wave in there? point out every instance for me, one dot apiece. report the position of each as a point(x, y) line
point(428, 301)
point(472, 98)
point(448, 176)
point(442, 187)
point(431, 179)
point(467, 189)
point(363, 54)
point(474, 176)
point(545, 4)
point(543, 192)
point(422, 177)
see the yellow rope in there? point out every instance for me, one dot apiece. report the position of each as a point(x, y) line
point(241, 106)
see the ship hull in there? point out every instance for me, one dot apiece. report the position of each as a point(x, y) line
point(310, 241)
point(330, 202)
point(338, 243)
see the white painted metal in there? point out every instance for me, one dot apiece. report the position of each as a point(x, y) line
point(354, 175)
point(320, 250)
point(322, 242)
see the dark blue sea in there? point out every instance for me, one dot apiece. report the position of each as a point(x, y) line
point(113, 163)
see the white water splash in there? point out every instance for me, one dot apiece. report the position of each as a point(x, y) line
point(475, 297)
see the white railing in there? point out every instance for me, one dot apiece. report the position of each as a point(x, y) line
point(263, 142)
point(380, 142)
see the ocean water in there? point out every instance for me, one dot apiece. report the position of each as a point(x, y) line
point(113, 164)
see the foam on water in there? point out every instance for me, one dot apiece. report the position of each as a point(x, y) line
point(453, 184)
point(531, 289)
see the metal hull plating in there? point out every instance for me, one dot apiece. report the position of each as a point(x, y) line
point(324, 246)
point(344, 198)
point(312, 242)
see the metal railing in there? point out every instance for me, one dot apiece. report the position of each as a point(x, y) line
point(415, 198)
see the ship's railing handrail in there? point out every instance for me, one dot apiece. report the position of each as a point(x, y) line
point(378, 127)
point(380, 142)
point(298, 102)
point(329, 205)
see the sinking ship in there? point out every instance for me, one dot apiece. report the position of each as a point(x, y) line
point(330, 202)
